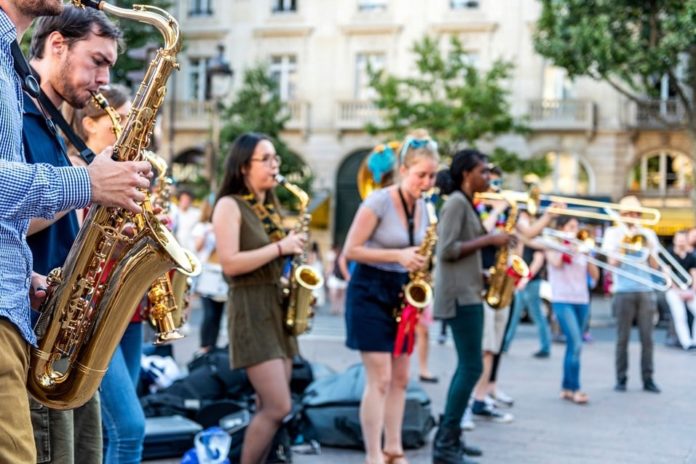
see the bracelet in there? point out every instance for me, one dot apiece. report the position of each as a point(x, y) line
point(280, 250)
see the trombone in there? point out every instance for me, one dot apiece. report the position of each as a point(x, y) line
point(532, 200)
point(638, 242)
point(581, 244)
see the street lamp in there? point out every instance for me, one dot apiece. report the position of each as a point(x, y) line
point(218, 76)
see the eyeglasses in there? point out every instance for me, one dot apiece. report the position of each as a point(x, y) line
point(268, 160)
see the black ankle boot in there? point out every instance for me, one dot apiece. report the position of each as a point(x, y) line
point(447, 446)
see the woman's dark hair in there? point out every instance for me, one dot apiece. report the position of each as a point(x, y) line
point(74, 24)
point(464, 161)
point(444, 182)
point(239, 157)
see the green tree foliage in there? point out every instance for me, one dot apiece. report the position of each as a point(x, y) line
point(136, 35)
point(257, 107)
point(629, 44)
point(456, 102)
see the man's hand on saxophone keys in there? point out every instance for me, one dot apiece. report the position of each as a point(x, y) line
point(119, 183)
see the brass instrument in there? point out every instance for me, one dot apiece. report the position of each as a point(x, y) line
point(165, 309)
point(628, 267)
point(370, 179)
point(303, 279)
point(508, 268)
point(418, 292)
point(90, 300)
point(637, 242)
point(532, 199)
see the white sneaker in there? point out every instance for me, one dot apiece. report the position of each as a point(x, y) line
point(502, 399)
point(493, 414)
point(468, 420)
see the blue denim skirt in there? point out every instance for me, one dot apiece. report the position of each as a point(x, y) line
point(372, 299)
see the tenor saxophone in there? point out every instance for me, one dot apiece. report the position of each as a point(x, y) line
point(302, 279)
point(167, 296)
point(508, 269)
point(91, 299)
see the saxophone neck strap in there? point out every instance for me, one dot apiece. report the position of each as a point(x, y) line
point(30, 84)
point(268, 215)
point(409, 217)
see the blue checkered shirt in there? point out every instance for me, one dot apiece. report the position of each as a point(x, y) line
point(26, 191)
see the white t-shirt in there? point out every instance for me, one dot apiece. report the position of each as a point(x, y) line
point(205, 230)
point(184, 221)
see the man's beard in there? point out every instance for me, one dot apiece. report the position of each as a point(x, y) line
point(64, 88)
point(35, 8)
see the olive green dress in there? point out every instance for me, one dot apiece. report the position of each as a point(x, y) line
point(255, 315)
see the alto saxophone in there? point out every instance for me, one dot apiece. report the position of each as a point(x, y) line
point(167, 302)
point(418, 292)
point(90, 300)
point(302, 279)
point(508, 269)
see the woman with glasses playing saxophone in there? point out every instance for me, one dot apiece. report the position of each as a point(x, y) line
point(252, 248)
point(123, 421)
point(384, 241)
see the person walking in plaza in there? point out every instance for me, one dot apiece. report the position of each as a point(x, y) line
point(383, 241)
point(680, 300)
point(210, 285)
point(570, 298)
point(458, 289)
point(632, 300)
point(252, 247)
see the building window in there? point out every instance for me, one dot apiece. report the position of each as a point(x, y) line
point(464, 4)
point(662, 173)
point(557, 85)
point(284, 72)
point(569, 176)
point(200, 8)
point(284, 6)
point(363, 61)
point(372, 5)
point(196, 88)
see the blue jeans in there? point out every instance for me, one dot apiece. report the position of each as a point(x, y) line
point(529, 298)
point(123, 421)
point(571, 317)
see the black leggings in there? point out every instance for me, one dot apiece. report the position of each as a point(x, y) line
point(212, 315)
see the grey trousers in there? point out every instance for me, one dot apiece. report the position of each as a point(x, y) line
point(641, 307)
point(68, 437)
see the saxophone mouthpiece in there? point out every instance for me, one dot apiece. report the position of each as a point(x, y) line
point(280, 179)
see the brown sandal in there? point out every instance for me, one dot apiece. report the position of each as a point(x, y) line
point(567, 395)
point(394, 458)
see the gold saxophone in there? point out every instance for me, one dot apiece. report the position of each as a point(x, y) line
point(167, 302)
point(92, 298)
point(303, 279)
point(508, 268)
point(418, 292)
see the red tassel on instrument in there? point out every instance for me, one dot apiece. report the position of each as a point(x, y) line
point(406, 330)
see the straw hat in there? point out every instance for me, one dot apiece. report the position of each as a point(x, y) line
point(630, 201)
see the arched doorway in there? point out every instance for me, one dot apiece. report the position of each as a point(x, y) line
point(347, 197)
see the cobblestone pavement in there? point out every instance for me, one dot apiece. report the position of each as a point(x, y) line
point(632, 427)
